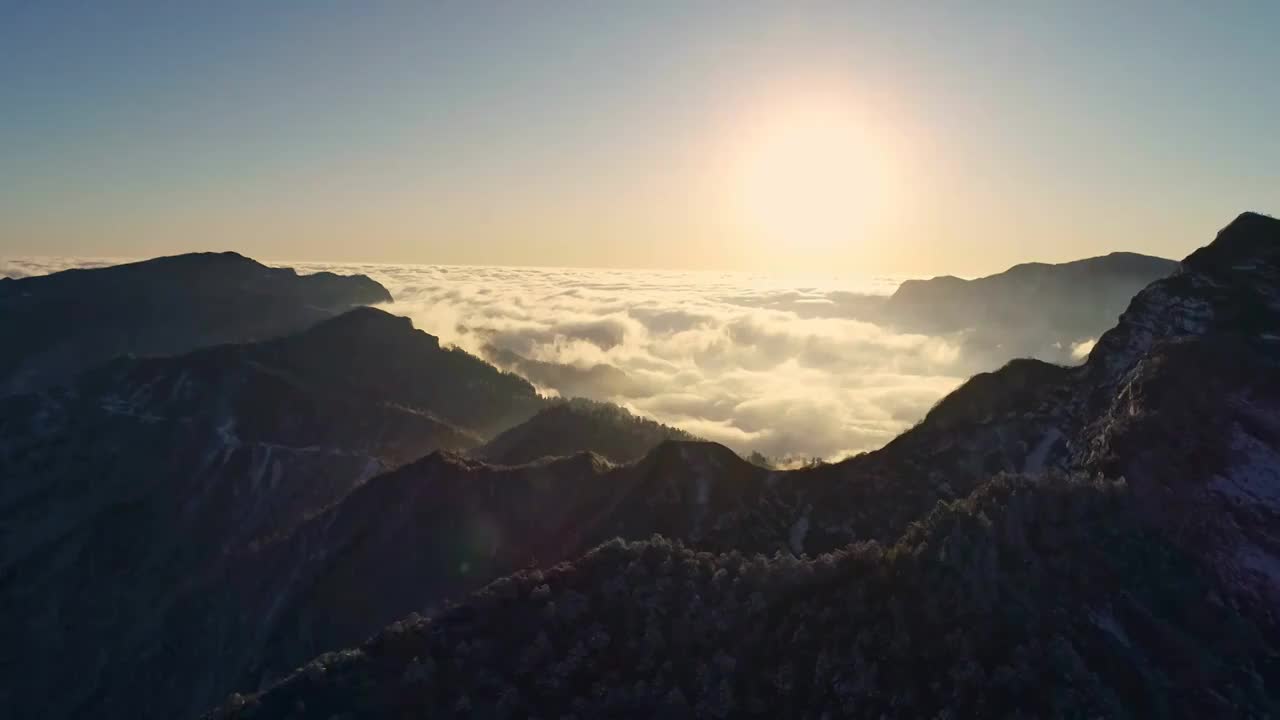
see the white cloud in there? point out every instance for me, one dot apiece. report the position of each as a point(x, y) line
point(1081, 350)
point(755, 362)
point(28, 266)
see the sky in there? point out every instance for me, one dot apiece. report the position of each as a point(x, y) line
point(932, 138)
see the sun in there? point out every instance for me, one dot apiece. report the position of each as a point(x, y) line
point(809, 174)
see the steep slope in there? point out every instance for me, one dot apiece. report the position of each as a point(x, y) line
point(1029, 599)
point(1150, 595)
point(1198, 344)
point(435, 529)
point(143, 481)
point(52, 326)
point(1184, 402)
point(381, 356)
point(575, 426)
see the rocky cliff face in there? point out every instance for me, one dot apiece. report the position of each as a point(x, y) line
point(1184, 402)
point(53, 326)
point(997, 585)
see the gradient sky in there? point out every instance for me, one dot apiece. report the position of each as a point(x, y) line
point(636, 134)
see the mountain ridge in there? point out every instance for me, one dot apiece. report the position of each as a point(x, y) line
point(103, 537)
point(430, 531)
point(1197, 518)
point(54, 326)
point(577, 425)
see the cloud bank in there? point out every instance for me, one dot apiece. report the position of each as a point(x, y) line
point(21, 267)
point(757, 363)
point(782, 366)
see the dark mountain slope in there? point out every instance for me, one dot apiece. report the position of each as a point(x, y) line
point(1029, 599)
point(575, 426)
point(1201, 341)
point(1184, 402)
point(1152, 598)
point(431, 530)
point(145, 480)
point(434, 529)
point(52, 326)
point(381, 356)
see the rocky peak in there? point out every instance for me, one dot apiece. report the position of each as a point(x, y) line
point(1181, 402)
point(1229, 287)
point(1251, 242)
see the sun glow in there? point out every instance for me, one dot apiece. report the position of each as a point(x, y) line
point(809, 174)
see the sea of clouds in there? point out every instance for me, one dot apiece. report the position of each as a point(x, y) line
point(771, 364)
point(784, 366)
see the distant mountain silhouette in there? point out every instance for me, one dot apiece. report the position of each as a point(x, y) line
point(52, 326)
point(1094, 541)
point(1043, 310)
point(1073, 296)
point(1030, 310)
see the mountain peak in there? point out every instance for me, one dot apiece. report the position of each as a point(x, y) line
point(1229, 287)
point(704, 449)
point(368, 328)
point(1250, 242)
point(366, 319)
point(1250, 217)
point(568, 427)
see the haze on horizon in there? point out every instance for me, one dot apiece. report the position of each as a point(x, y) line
point(848, 137)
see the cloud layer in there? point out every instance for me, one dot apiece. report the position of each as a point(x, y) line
point(753, 362)
point(782, 366)
point(27, 266)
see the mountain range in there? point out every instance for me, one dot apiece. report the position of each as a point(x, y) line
point(53, 326)
point(1087, 541)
